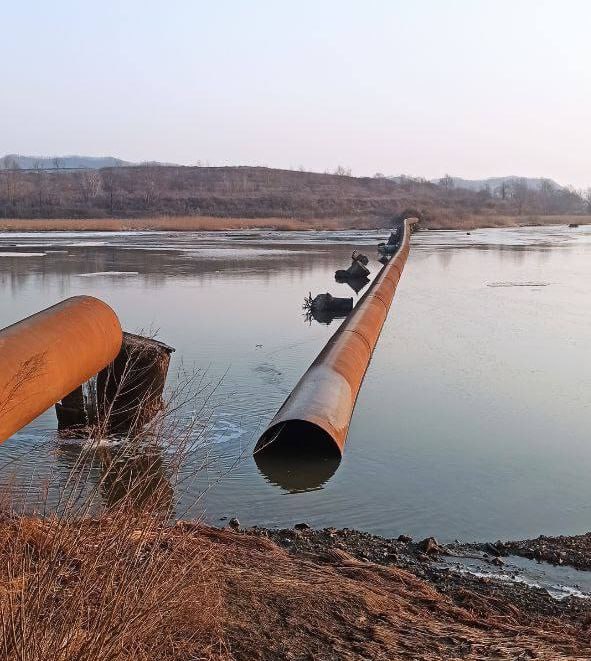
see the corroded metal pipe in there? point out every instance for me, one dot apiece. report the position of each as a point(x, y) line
point(315, 417)
point(48, 355)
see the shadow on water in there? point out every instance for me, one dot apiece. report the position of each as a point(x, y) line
point(296, 473)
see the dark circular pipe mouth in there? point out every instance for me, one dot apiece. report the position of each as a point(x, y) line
point(297, 438)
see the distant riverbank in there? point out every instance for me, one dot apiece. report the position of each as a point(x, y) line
point(211, 224)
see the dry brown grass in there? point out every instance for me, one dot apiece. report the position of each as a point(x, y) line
point(474, 221)
point(115, 587)
point(335, 607)
point(132, 587)
point(179, 224)
point(441, 220)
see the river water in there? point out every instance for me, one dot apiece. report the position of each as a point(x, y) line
point(473, 421)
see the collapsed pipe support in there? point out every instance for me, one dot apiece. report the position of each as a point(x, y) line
point(125, 395)
point(129, 391)
point(316, 415)
point(45, 357)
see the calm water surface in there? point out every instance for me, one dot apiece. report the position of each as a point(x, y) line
point(473, 421)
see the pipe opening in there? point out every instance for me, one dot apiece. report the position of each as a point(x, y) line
point(297, 438)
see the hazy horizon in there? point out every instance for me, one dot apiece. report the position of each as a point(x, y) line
point(471, 88)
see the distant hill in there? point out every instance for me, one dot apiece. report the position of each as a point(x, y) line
point(18, 161)
point(257, 192)
point(493, 183)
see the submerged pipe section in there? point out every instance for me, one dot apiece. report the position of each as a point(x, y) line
point(315, 418)
point(48, 355)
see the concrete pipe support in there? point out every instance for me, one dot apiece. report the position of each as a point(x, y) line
point(315, 417)
point(48, 355)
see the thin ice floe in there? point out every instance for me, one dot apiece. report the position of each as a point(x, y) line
point(22, 254)
point(106, 273)
point(517, 284)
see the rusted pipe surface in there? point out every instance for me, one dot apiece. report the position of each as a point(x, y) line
point(316, 415)
point(48, 355)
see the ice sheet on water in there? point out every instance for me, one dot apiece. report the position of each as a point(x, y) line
point(517, 284)
point(22, 254)
point(106, 273)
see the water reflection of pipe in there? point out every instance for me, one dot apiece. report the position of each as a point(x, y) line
point(297, 473)
point(48, 355)
point(134, 474)
point(317, 413)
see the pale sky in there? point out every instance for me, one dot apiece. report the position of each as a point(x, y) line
point(474, 88)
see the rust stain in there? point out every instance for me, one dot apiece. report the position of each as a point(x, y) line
point(46, 356)
point(316, 415)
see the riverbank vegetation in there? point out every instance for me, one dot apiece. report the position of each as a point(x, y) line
point(172, 197)
point(129, 585)
point(211, 224)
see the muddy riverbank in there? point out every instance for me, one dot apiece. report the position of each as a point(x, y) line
point(485, 568)
point(572, 550)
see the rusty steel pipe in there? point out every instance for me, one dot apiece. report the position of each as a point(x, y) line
point(48, 355)
point(315, 418)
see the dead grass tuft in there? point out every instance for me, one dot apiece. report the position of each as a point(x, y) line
point(117, 587)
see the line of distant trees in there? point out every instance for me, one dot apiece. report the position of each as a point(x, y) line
point(264, 192)
point(517, 193)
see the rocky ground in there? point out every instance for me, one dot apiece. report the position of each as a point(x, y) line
point(434, 562)
point(573, 550)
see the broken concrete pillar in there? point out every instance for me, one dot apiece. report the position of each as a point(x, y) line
point(125, 395)
point(71, 411)
point(328, 303)
point(129, 391)
point(358, 268)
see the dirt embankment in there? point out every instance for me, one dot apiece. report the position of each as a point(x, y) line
point(130, 588)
